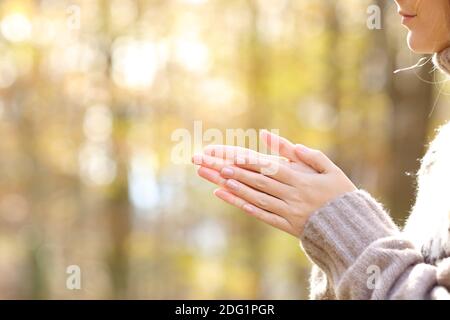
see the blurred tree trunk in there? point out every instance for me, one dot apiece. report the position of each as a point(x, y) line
point(258, 119)
point(332, 88)
point(34, 191)
point(120, 227)
point(117, 208)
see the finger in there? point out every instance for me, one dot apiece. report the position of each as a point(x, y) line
point(284, 148)
point(314, 158)
point(230, 198)
point(231, 152)
point(211, 162)
point(260, 214)
point(275, 169)
point(279, 171)
point(211, 175)
point(260, 199)
point(281, 146)
point(257, 181)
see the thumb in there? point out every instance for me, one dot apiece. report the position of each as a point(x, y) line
point(314, 158)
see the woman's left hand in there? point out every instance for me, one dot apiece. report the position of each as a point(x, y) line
point(279, 192)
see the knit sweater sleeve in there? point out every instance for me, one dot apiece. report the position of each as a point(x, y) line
point(364, 255)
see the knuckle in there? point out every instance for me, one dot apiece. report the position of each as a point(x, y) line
point(296, 197)
point(261, 202)
point(270, 170)
point(286, 210)
point(272, 221)
point(260, 184)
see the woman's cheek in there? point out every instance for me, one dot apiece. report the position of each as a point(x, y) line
point(429, 33)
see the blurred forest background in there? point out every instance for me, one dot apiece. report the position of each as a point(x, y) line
point(91, 91)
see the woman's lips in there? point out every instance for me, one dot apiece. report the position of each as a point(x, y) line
point(407, 17)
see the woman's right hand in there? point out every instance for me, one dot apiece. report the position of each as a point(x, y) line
point(283, 196)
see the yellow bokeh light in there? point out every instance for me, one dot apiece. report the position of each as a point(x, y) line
point(135, 63)
point(16, 27)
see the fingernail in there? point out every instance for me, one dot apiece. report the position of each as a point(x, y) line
point(233, 185)
point(197, 159)
point(227, 172)
point(248, 208)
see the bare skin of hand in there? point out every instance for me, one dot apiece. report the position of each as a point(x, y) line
point(282, 191)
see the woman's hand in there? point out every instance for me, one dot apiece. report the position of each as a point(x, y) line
point(281, 192)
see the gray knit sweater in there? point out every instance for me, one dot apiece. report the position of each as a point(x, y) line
point(359, 253)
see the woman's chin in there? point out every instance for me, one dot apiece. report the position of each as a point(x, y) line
point(418, 50)
point(419, 46)
point(415, 45)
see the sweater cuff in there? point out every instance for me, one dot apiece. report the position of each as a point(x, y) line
point(338, 233)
